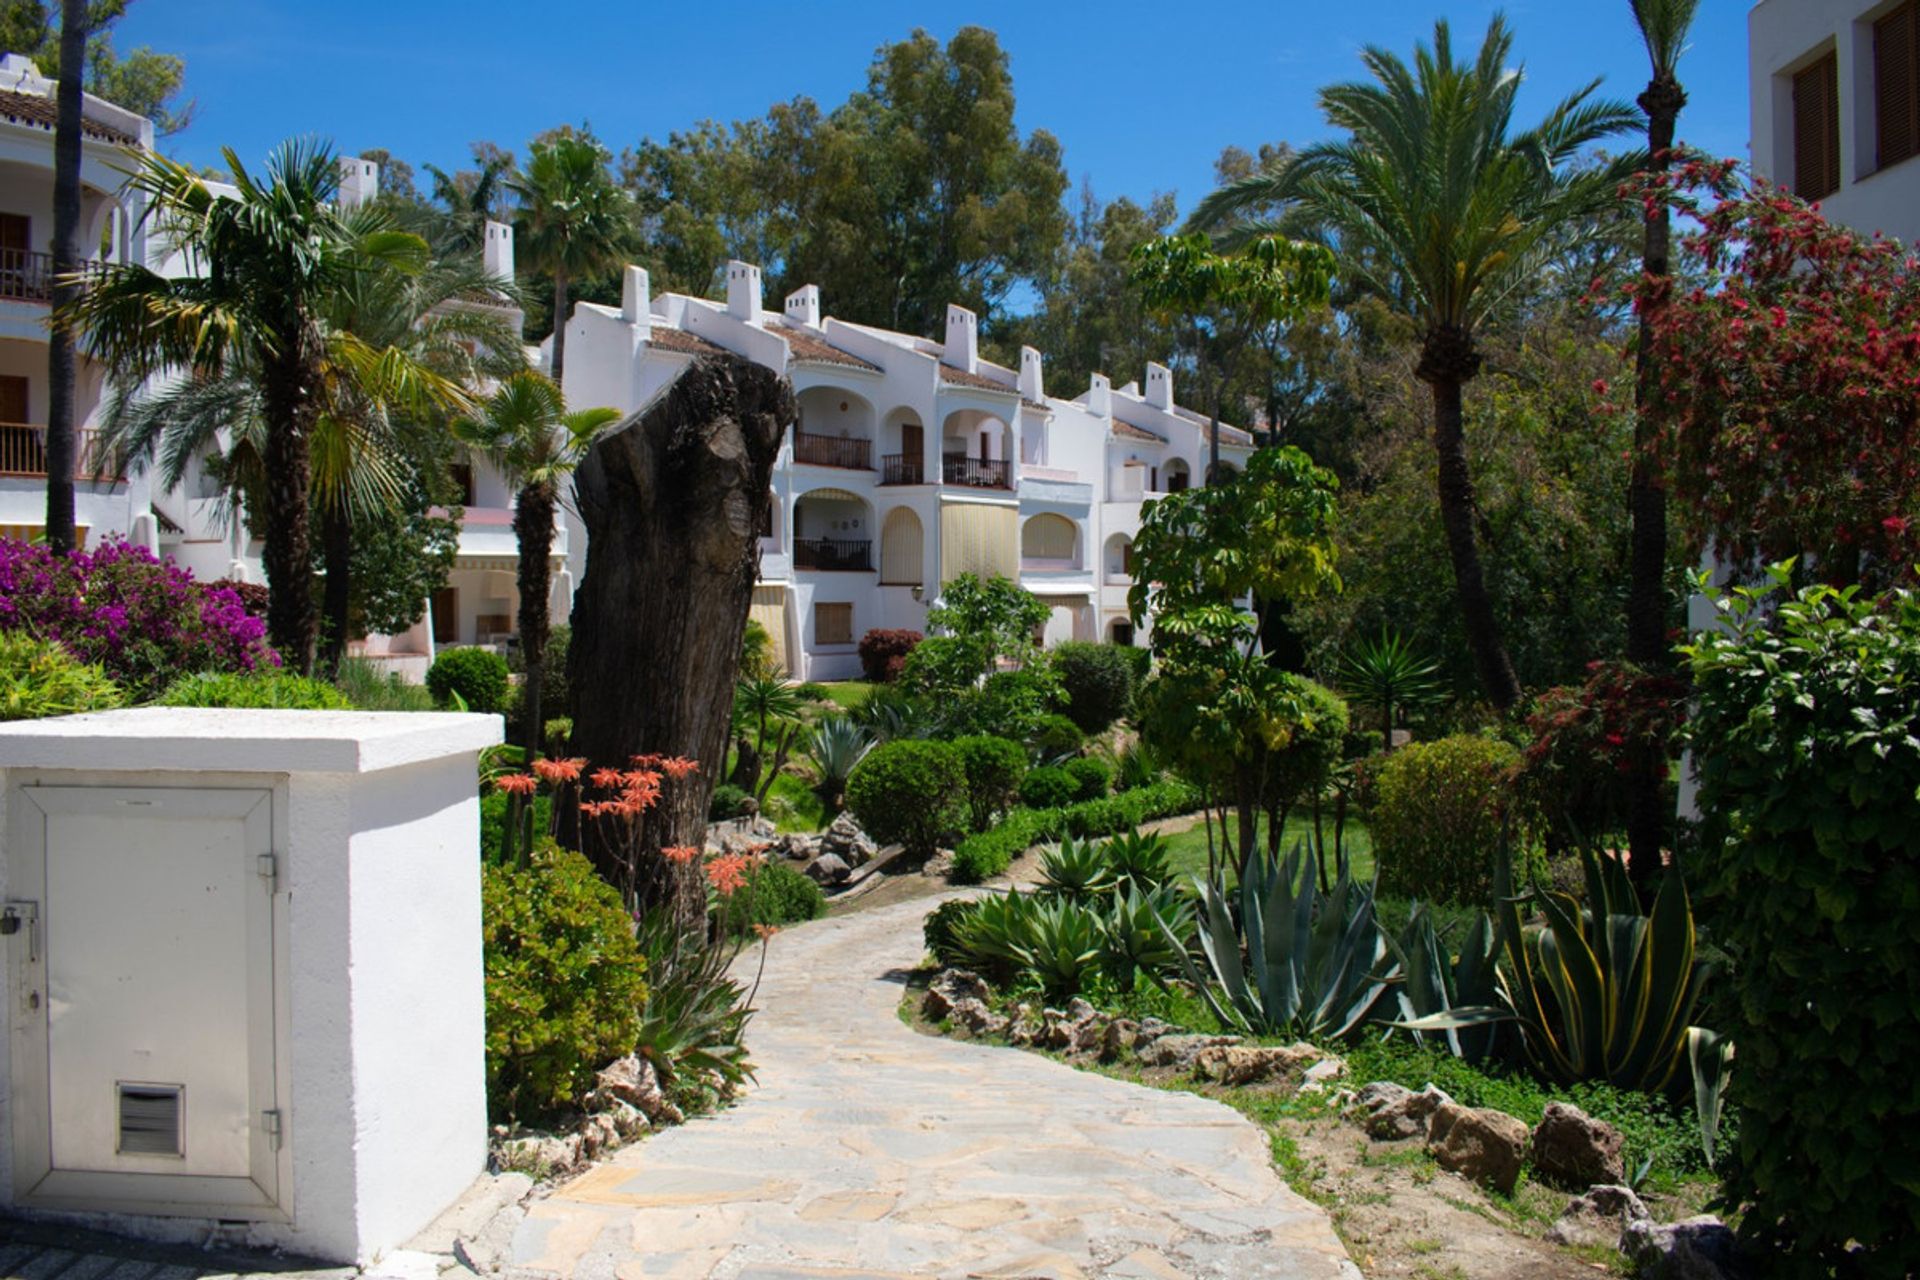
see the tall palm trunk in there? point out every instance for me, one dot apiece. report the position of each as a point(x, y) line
point(336, 541)
point(61, 374)
point(1647, 602)
point(1447, 362)
point(286, 392)
point(533, 527)
point(558, 367)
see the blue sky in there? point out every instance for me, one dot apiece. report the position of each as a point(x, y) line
point(1142, 96)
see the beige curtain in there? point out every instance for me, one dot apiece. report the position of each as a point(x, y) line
point(901, 555)
point(980, 539)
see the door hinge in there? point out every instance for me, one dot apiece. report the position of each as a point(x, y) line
point(270, 1125)
point(269, 867)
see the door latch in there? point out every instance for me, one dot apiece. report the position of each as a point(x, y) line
point(16, 914)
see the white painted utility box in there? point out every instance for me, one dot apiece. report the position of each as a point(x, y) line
point(243, 974)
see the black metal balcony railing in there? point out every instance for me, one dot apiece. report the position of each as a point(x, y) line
point(23, 452)
point(28, 276)
point(903, 468)
point(978, 473)
point(832, 451)
point(850, 554)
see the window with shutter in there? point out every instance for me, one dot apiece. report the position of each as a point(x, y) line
point(1896, 84)
point(833, 624)
point(1816, 129)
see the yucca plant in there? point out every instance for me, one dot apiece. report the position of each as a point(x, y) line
point(1138, 859)
point(1434, 981)
point(1287, 959)
point(1075, 869)
point(1388, 675)
point(1134, 941)
point(837, 744)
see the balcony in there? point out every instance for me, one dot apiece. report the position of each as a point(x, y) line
point(23, 452)
point(977, 473)
point(832, 451)
point(903, 468)
point(847, 555)
point(26, 276)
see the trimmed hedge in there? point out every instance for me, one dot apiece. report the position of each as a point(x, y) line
point(479, 676)
point(994, 768)
point(774, 894)
point(279, 689)
point(1092, 778)
point(910, 792)
point(989, 853)
point(1440, 814)
point(1049, 787)
point(1098, 679)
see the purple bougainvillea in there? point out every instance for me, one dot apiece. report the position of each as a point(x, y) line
point(144, 620)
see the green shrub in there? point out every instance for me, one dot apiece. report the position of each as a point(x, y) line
point(494, 807)
point(774, 894)
point(994, 767)
point(1439, 817)
point(1806, 738)
point(39, 678)
point(555, 693)
point(1091, 778)
point(728, 801)
point(909, 792)
point(479, 676)
point(983, 856)
point(1098, 680)
point(271, 689)
point(1055, 735)
point(565, 983)
point(369, 688)
point(1049, 787)
point(942, 926)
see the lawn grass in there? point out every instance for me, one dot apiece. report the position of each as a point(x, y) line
point(1189, 850)
point(849, 695)
point(794, 806)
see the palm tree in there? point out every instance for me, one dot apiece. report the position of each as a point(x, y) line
point(268, 259)
point(1663, 27)
point(1434, 205)
point(75, 21)
point(526, 429)
point(574, 221)
point(466, 202)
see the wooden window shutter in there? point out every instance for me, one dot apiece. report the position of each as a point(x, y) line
point(1816, 129)
point(1896, 85)
point(833, 624)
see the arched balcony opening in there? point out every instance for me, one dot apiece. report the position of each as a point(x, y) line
point(902, 549)
point(1118, 559)
point(1050, 542)
point(834, 429)
point(903, 448)
point(832, 531)
point(976, 450)
point(1178, 475)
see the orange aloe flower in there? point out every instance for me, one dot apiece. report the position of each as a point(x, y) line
point(608, 779)
point(680, 854)
point(554, 772)
point(517, 784)
point(728, 872)
point(679, 767)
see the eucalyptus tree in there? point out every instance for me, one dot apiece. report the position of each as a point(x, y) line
point(574, 221)
point(1435, 203)
point(527, 431)
point(268, 257)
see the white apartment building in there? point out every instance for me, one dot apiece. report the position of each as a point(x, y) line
point(1834, 93)
point(912, 462)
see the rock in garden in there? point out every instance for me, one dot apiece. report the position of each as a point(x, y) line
point(1575, 1150)
point(628, 1119)
point(845, 840)
point(1700, 1248)
point(1120, 1036)
point(829, 868)
point(1319, 1075)
point(1077, 1029)
point(542, 1154)
point(939, 866)
point(1395, 1111)
point(1478, 1143)
point(1597, 1218)
point(1234, 1064)
point(598, 1133)
point(1023, 1026)
point(948, 988)
point(800, 848)
point(1152, 1029)
point(976, 1019)
point(632, 1080)
point(1180, 1051)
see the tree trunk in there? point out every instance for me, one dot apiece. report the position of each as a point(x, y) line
point(671, 502)
point(336, 544)
point(61, 453)
point(1647, 602)
point(556, 368)
point(286, 392)
point(1447, 362)
point(533, 527)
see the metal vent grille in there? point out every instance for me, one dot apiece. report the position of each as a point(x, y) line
point(150, 1119)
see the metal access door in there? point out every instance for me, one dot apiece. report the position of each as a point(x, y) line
point(143, 1002)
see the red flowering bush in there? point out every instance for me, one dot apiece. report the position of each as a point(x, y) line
point(1788, 380)
point(884, 650)
point(1589, 741)
point(143, 621)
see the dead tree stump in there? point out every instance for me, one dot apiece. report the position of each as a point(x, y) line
point(673, 501)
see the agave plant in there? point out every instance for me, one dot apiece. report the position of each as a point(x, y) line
point(1388, 675)
point(1287, 959)
point(1135, 943)
point(838, 744)
point(1075, 869)
point(1138, 859)
point(1435, 982)
point(993, 936)
point(1062, 948)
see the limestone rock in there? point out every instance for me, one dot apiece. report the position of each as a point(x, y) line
point(1699, 1248)
point(1120, 1037)
point(948, 988)
point(1598, 1217)
point(1575, 1150)
point(627, 1119)
point(1395, 1111)
point(598, 1133)
point(1152, 1029)
point(1023, 1026)
point(829, 868)
point(632, 1080)
point(542, 1154)
point(1181, 1050)
point(1079, 1028)
point(1317, 1077)
point(975, 1018)
point(1233, 1064)
point(1478, 1143)
point(845, 840)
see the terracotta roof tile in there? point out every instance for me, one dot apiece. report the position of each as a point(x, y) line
point(1128, 431)
point(33, 109)
point(682, 342)
point(809, 349)
point(961, 378)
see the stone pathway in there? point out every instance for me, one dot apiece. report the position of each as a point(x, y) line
point(870, 1151)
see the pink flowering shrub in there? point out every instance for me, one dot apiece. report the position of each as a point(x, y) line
point(143, 621)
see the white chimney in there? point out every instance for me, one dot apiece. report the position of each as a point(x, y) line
point(1100, 396)
point(803, 306)
point(636, 300)
point(962, 347)
point(1159, 386)
point(743, 291)
point(496, 252)
point(359, 181)
point(1030, 384)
